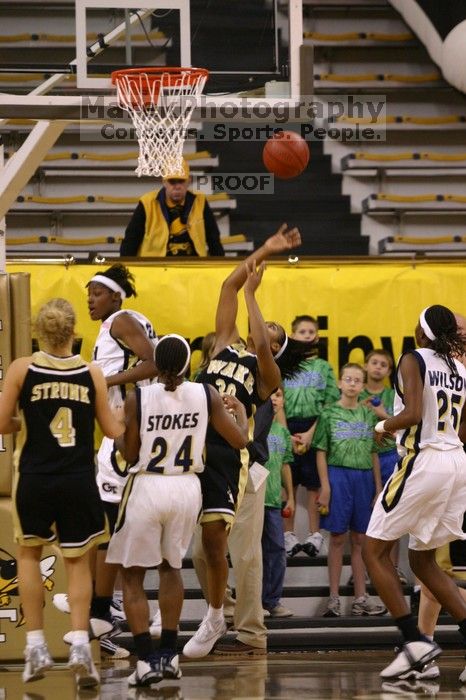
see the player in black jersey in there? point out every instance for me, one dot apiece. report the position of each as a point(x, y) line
point(248, 371)
point(56, 496)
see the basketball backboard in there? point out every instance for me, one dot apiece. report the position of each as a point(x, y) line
point(84, 8)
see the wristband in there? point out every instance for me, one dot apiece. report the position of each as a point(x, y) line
point(380, 427)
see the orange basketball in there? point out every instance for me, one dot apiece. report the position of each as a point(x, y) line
point(286, 154)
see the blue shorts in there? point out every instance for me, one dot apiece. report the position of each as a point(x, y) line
point(388, 462)
point(304, 467)
point(351, 496)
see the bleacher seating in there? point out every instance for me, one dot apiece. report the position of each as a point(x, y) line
point(419, 144)
point(361, 47)
point(82, 196)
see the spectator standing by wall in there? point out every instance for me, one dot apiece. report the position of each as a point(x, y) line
point(273, 540)
point(172, 221)
point(307, 391)
point(350, 477)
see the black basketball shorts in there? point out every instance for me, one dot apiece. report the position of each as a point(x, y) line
point(59, 507)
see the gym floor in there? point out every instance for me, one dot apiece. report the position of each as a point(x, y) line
point(287, 675)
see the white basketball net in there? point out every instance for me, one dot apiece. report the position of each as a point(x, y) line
point(160, 107)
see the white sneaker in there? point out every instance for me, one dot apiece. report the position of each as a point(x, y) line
point(205, 638)
point(60, 600)
point(145, 674)
point(37, 660)
point(292, 544)
point(99, 627)
point(429, 672)
point(109, 648)
point(409, 689)
point(280, 611)
point(81, 663)
point(412, 660)
point(366, 606)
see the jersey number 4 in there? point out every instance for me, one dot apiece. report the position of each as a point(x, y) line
point(61, 427)
point(159, 452)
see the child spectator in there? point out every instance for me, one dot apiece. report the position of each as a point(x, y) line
point(273, 541)
point(349, 473)
point(380, 398)
point(311, 388)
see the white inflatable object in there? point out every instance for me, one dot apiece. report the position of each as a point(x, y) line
point(453, 63)
point(448, 52)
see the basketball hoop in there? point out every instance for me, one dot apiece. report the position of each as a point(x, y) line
point(160, 102)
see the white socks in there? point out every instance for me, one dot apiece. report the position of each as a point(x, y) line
point(80, 637)
point(215, 614)
point(35, 638)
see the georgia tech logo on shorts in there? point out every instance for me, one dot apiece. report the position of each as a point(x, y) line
point(108, 488)
point(11, 609)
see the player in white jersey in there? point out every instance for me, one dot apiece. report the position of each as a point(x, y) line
point(124, 350)
point(114, 358)
point(165, 433)
point(450, 557)
point(426, 495)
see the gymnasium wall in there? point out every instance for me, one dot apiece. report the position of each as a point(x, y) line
point(359, 305)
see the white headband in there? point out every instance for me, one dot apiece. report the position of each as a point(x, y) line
point(111, 284)
point(186, 344)
point(425, 326)
point(282, 349)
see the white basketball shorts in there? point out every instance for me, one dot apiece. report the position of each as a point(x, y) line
point(425, 497)
point(156, 521)
point(109, 465)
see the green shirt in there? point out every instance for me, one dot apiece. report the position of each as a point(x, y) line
point(347, 436)
point(387, 396)
point(280, 453)
point(311, 388)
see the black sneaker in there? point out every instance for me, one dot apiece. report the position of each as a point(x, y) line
point(292, 544)
point(109, 648)
point(312, 544)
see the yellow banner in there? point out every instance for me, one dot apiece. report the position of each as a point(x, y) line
point(359, 305)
